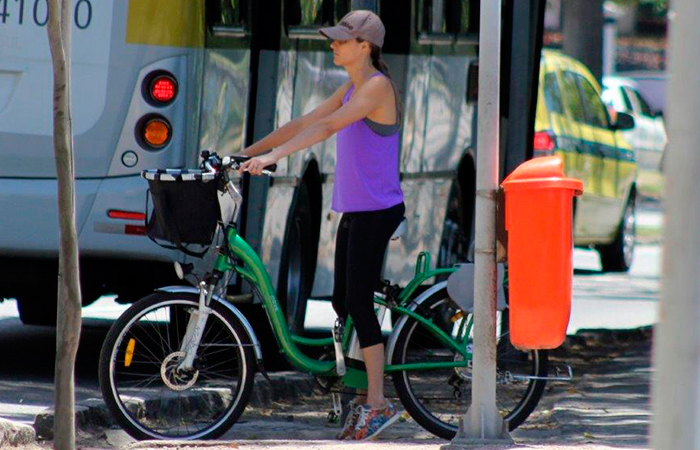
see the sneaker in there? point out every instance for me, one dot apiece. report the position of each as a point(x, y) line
point(371, 422)
point(350, 420)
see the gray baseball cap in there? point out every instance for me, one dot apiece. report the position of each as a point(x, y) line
point(361, 24)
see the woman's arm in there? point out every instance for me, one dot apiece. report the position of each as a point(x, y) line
point(363, 102)
point(294, 127)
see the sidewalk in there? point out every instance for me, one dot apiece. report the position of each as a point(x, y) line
point(605, 407)
point(329, 445)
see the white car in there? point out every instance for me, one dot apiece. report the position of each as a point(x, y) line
point(648, 137)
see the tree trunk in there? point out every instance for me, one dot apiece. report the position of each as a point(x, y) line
point(69, 302)
point(583, 33)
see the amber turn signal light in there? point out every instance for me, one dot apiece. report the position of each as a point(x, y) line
point(156, 132)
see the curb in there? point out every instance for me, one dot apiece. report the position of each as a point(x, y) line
point(89, 413)
point(93, 413)
point(15, 433)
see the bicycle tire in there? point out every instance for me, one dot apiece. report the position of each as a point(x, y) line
point(441, 417)
point(201, 405)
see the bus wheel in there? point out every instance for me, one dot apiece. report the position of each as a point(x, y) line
point(296, 273)
point(41, 307)
point(38, 308)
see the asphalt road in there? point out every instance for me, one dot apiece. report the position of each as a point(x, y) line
point(26, 374)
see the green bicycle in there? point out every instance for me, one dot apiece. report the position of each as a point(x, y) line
point(180, 363)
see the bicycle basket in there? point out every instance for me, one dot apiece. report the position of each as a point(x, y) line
point(185, 207)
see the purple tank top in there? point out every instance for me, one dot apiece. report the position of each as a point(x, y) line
point(366, 168)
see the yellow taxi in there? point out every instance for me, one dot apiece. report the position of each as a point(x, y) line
point(573, 121)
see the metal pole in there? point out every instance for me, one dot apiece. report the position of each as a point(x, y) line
point(609, 45)
point(676, 388)
point(482, 423)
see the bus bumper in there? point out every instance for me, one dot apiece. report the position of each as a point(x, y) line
point(30, 222)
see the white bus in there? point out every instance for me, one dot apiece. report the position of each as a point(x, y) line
point(146, 93)
point(236, 70)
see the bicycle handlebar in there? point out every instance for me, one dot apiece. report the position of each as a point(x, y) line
point(212, 162)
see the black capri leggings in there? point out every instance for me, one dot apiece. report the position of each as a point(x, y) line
point(360, 246)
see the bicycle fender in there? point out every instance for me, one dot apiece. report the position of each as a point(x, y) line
point(230, 307)
point(460, 287)
point(391, 343)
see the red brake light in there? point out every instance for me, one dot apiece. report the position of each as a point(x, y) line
point(544, 142)
point(163, 89)
point(138, 230)
point(126, 215)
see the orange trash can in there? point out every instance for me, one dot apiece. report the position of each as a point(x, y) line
point(539, 214)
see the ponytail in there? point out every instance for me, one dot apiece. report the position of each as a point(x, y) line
point(379, 64)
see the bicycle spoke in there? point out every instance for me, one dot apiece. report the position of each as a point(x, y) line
point(145, 382)
point(439, 397)
point(218, 376)
point(191, 402)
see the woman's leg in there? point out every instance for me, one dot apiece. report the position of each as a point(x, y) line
point(340, 278)
point(374, 362)
point(340, 271)
point(367, 241)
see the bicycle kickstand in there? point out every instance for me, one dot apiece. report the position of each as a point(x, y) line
point(338, 346)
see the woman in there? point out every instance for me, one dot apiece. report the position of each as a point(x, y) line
point(365, 114)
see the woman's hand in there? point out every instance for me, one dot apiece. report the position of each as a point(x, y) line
point(255, 166)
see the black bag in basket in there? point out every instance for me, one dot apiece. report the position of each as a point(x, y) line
point(184, 212)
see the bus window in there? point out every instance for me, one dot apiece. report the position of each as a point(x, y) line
point(315, 13)
point(227, 14)
point(303, 18)
point(342, 7)
point(457, 16)
point(444, 20)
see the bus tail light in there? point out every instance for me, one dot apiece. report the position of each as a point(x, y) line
point(126, 215)
point(159, 88)
point(163, 89)
point(138, 230)
point(154, 132)
point(544, 142)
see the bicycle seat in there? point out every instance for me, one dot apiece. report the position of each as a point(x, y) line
point(400, 230)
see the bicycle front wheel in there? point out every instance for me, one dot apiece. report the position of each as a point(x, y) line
point(142, 386)
point(438, 398)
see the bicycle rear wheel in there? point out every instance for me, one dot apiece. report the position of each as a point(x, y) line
point(437, 399)
point(145, 393)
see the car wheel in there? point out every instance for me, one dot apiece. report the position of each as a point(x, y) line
point(617, 257)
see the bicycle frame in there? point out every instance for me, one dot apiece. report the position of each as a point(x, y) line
point(253, 270)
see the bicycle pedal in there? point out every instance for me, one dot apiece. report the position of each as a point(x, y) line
point(333, 417)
